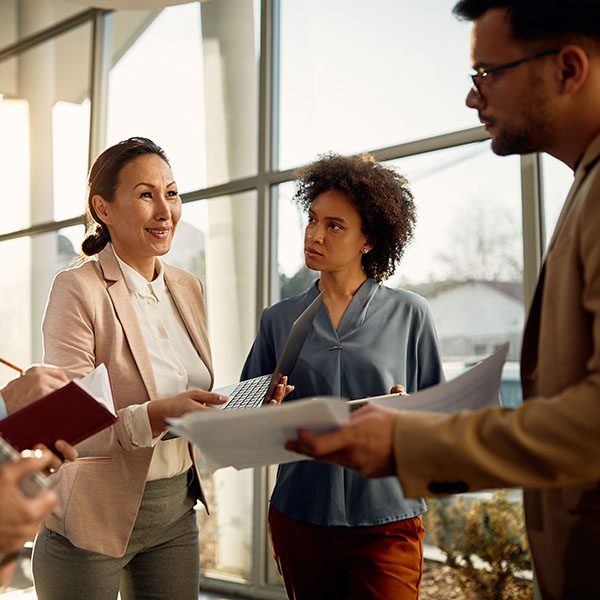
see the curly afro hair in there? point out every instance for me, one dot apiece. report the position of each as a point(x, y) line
point(381, 196)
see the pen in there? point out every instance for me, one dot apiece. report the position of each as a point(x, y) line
point(354, 404)
point(8, 364)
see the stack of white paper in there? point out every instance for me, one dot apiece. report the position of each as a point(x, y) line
point(256, 436)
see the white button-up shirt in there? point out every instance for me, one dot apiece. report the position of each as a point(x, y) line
point(175, 361)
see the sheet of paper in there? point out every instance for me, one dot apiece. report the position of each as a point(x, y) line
point(476, 388)
point(256, 436)
point(97, 385)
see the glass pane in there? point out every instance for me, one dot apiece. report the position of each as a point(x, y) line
point(556, 181)
point(216, 240)
point(193, 92)
point(467, 256)
point(356, 76)
point(47, 101)
point(28, 267)
point(294, 277)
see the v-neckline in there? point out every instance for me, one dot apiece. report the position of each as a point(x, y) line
point(354, 309)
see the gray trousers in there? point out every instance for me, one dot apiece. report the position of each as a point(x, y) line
point(161, 561)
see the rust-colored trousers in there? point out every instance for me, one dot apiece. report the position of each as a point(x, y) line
point(384, 562)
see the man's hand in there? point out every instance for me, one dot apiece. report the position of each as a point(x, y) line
point(20, 517)
point(37, 381)
point(365, 445)
point(63, 452)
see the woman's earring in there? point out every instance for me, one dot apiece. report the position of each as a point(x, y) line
point(365, 250)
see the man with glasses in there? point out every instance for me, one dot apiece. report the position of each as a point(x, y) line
point(536, 88)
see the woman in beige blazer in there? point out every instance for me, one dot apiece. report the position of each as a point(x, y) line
point(126, 517)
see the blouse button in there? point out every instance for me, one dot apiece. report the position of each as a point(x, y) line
point(181, 373)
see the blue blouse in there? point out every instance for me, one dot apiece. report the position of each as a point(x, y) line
point(385, 337)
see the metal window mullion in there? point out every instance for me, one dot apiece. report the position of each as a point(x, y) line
point(42, 228)
point(264, 155)
point(533, 231)
point(432, 144)
point(100, 68)
point(263, 253)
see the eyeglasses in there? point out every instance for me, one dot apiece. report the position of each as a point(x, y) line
point(484, 74)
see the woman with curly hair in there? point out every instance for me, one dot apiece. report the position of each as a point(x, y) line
point(336, 534)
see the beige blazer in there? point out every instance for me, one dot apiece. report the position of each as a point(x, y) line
point(553, 440)
point(89, 320)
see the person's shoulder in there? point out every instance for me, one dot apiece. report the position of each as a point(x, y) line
point(78, 284)
point(402, 296)
point(82, 271)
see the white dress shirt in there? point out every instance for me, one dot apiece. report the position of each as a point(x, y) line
point(175, 361)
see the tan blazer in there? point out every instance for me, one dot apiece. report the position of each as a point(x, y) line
point(553, 440)
point(90, 320)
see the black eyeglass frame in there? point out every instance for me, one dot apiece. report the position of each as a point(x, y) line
point(484, 73)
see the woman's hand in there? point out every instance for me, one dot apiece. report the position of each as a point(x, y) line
point(281, 391)
point(179, 405)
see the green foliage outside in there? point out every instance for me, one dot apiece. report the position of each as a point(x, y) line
point(485, 544)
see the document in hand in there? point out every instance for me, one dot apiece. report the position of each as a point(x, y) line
point(71, 413)
point(476, 388)
point(256, 436)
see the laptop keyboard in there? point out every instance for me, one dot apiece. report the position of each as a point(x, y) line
point(249, 393)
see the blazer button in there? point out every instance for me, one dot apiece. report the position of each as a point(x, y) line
point(460, 487)
point(436, 487)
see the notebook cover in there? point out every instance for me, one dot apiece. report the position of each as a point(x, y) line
point(69, 414)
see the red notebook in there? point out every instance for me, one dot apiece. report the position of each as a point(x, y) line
point(72, 413)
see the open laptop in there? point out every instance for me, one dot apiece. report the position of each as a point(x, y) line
point(259, 390)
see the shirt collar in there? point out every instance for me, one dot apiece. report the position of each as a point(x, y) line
point(139, 284)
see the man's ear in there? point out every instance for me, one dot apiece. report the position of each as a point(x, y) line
point(574, 68)
point(101, 207)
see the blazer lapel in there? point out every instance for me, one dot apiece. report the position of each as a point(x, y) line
point(566, 207)
point(119, 294)
point(193, 320)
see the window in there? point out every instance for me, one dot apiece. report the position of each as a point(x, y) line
point(187, 78)
point(46, 116)
point(467, 255)
point(355, 78)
